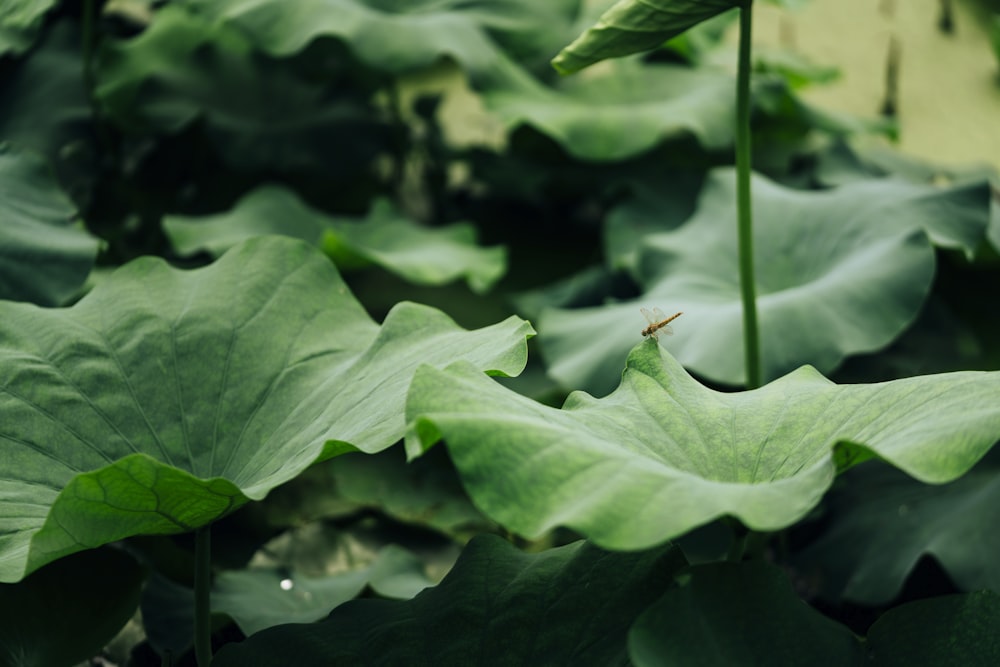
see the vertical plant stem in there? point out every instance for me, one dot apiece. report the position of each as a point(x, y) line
point(202, 596)
point(748, 290)
point(890, 105)
point(88, 27)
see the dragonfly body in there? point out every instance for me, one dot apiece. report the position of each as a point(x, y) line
point(658, 322)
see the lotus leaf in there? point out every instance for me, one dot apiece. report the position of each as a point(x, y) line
point(664, 454)
point(838, 272)
point(165, 399)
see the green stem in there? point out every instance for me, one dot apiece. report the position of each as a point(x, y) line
point(202, 596)
point(751, 340)
point(88, 27)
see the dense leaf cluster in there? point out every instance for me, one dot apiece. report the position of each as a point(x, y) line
point(217, 218)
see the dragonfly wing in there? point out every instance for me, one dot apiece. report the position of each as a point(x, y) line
point(648, 314)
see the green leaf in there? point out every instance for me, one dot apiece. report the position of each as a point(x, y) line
point(403, 35)
point(633, 26)
point(880, 523)
point(45, 105)
point(838, 272)
point(259, 598)
point(385, 237)
point(738, 614)
point(424, 492)
point(20, 22)
point(43, 257)
point(257, 112)
point(794, 67)
point(65, 613)
point(698, 44)
point(623, 111)
point(947, 630)
point(663, 454)
point(164, 399)
point(498, 606)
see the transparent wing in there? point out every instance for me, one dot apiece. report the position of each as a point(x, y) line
point(653, 316)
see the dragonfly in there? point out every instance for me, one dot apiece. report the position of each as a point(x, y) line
point(658, 322)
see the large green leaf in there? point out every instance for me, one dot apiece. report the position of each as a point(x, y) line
point(386, 237)
point(43, 257)
point(633, 26)
point(65, 613)
point(663, 454)
point(880, 523)
point(164, 399)
point(738, 614)
point(498, 606)
point(838, 272)
point(403, 35)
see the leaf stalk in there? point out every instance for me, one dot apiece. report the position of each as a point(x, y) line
point(744, 218)
point(202, 596)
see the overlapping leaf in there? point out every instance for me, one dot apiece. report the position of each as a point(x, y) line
point(730, 614)
point(83, 601)
point(425, 492)
point(958, 629)
point(663, 454)
point(262, 598)
point(43, 257)
point(624, 111)
point(726, 614)
point(498, 606)
point(258, 112)
point(45, 105)
point(403, 35)
point(20, 22)
point(880, 523)
point(164, 399)
point(386, 237)
point(838, 272)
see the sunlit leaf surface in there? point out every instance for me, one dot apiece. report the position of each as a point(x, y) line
point(663, 454)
